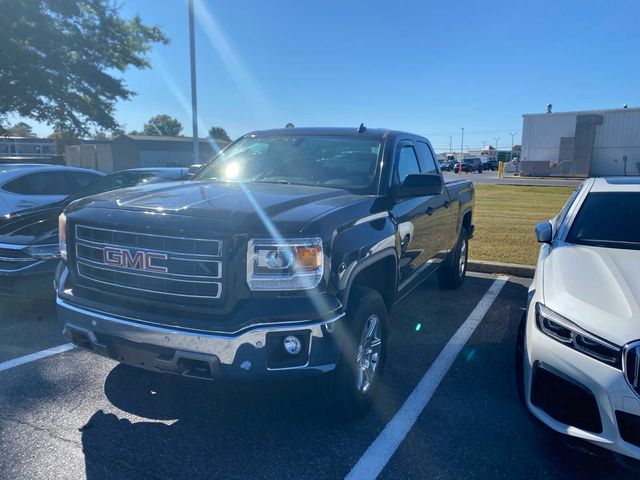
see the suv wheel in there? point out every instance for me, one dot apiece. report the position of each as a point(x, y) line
point(453, 269)
point(351, 387)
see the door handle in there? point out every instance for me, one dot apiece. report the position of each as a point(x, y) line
point(430, 211)
point(446, 204)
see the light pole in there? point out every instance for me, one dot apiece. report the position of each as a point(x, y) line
point(450, 142)
point(461, 149)
point(497, 152)
point(512, 137)
point(194, 94)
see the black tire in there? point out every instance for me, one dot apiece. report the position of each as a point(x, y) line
point(345, 399)
point(519, 360)
point(451, 272)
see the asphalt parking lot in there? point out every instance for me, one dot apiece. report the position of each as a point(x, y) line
point(76, 415)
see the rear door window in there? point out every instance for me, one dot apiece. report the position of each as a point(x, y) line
point(47, 183)
point(427, 160)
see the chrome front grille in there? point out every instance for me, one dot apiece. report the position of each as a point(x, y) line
point(139, 264)
point(631, 365)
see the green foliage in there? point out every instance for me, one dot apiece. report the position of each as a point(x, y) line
point(219, 133)
point(162, 125)
point(62, 138)
point(59, 61)
point(20, 129)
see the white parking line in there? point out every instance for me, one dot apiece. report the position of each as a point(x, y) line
point(384, 446)
point(32, 357)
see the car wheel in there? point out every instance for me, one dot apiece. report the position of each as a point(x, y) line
point(453, 269)
point(351, 387)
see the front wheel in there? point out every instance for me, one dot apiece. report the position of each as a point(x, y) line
point(351, 387)
point(453, 269)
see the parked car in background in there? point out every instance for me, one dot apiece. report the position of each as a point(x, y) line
point(469, 165)
point(490, 164)
point(447, 165)
point(281, 258)
point(24, 186)
point(578, 349)
point(29, 251)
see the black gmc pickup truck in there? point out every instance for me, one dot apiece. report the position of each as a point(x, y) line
point(282, 257)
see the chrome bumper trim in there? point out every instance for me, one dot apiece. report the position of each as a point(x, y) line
point(224, 347)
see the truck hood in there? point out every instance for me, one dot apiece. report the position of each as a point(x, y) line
point(232, 202)
point(596, 288)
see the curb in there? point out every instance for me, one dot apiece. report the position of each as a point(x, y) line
point(514, 269)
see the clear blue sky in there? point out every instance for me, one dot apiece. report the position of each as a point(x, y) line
point(423, 66)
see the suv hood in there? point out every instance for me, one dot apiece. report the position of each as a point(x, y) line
point(233, 202)
point(596, 288)
point(38, 225)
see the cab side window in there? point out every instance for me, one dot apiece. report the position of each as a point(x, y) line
point(427, 160)
point(407, 163)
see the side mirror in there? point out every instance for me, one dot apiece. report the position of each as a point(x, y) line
point(419, 185)
point(544, 232)
point(193, 169)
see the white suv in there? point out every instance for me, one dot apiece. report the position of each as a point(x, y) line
point(578, 352)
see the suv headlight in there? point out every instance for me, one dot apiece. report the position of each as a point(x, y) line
point(565, 331)
point(290, 264)
point(62, 235)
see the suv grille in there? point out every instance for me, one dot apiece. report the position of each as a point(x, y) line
point(142, 263)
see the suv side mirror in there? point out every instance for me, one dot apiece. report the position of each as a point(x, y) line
point(544, 232)
point(418, 185)
point(193, 169)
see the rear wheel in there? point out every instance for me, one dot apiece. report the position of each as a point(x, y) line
point(351, 387)
point(453, 269)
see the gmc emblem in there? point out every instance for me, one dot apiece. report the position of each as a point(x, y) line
point(139, 260)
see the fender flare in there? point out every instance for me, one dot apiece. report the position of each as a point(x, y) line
point(367, 262)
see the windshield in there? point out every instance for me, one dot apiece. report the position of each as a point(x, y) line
point(327, 161)
point(608, 219)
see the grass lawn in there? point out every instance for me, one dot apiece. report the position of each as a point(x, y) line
point(505, 216)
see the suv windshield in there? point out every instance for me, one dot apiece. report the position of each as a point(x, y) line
point(608, 220)
point(327, 161)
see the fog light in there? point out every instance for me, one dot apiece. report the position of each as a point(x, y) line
point(292, 345)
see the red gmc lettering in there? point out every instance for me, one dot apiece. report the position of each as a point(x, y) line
point(140, 260)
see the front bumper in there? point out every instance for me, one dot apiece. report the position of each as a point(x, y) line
point(253, 353)
point(35, 280)
point(602, 397)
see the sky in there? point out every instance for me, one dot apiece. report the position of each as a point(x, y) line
point(426, 67)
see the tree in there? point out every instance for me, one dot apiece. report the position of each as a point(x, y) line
point(62, 138)
point(516, 148)
point(20, 129)
point(59, 61)
point(162, 125)
point(219, 133)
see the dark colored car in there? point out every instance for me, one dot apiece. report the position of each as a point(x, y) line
point(447, 165)
point(491, 164)
point(469, 165)
point(281, 258)
point(29, 251)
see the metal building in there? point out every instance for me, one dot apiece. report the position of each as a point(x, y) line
point(136, 151)
point(581, 144)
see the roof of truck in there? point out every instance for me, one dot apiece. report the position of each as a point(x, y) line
point(332, 131)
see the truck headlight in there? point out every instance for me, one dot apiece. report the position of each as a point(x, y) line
point(62, 235)
point(565, 331)
point(44, 252)
point(291, 264)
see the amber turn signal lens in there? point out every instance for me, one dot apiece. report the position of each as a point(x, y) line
point(309, 258)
